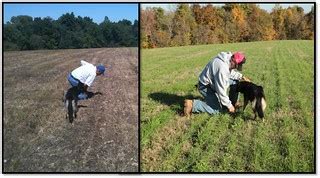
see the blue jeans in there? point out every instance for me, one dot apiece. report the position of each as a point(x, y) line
point(211, 103)
point(77, 87)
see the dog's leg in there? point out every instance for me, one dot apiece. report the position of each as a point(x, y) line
point(264, 105)
point(70, 110)
point(245, 103)
point(63, 96)
point(75, 108)
point(66, 108)
point(255, 114)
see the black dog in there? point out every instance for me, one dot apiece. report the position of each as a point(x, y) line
point(70, 100)
point(71, 103)
point(255, 95)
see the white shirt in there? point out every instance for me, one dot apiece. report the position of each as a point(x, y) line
point(85, 73)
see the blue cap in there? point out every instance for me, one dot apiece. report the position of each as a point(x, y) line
point(101, 68)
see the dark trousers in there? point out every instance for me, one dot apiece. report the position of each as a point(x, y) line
point(77, 89)
point(211, 103)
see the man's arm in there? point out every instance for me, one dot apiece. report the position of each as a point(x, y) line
point(245, 79)
point(235, 75)
point(84, 62)
point(221, 86)
point(89, 82)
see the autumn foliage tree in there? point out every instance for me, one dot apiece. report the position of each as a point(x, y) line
point(206, 24)
point(209, 24)
point(278, 18)
point(261, 25)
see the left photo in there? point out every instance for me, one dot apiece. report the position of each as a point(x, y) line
point(70, 88)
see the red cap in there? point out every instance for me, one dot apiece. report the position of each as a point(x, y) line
point(238, 57)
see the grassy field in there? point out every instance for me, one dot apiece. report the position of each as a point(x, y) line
point(37, 136)
point(284, 142)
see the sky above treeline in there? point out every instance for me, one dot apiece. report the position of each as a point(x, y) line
point(96, 11)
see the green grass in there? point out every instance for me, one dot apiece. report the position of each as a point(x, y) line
point(284, 142)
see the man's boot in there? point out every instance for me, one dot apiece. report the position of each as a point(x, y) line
point(187, 107)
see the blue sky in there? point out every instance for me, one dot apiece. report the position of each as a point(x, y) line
point(97, 12)
point(268, 7)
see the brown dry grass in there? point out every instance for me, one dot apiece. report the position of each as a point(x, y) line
point(38, 138)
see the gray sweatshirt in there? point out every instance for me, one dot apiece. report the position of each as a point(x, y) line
point(217, 74)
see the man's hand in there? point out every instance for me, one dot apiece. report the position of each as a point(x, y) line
point(231, 109)
point(246, 79)
point(85, 88)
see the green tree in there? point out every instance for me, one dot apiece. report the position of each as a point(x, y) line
point(36, 42)
point(10, 37)
point(69, 31)
point(47, 30)
point(135, 31)
point(106, 30)
point(23, 24)
point(162, 34)
point(183, 26)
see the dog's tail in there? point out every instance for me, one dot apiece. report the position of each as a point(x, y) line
point(260, 106)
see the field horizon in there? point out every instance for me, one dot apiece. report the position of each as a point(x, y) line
point(284, 142)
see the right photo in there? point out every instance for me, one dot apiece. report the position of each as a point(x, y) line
point(227, 88)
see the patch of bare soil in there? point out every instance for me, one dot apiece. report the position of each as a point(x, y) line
point(37, 135)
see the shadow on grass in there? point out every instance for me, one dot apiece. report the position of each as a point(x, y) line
point(90, 95)
point(71, 102)
point(240, 114)
point(72, 92)
point(174, 101)
point(82, 106)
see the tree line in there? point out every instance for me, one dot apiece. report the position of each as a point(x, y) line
point(196, 24)
point(68, 31)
